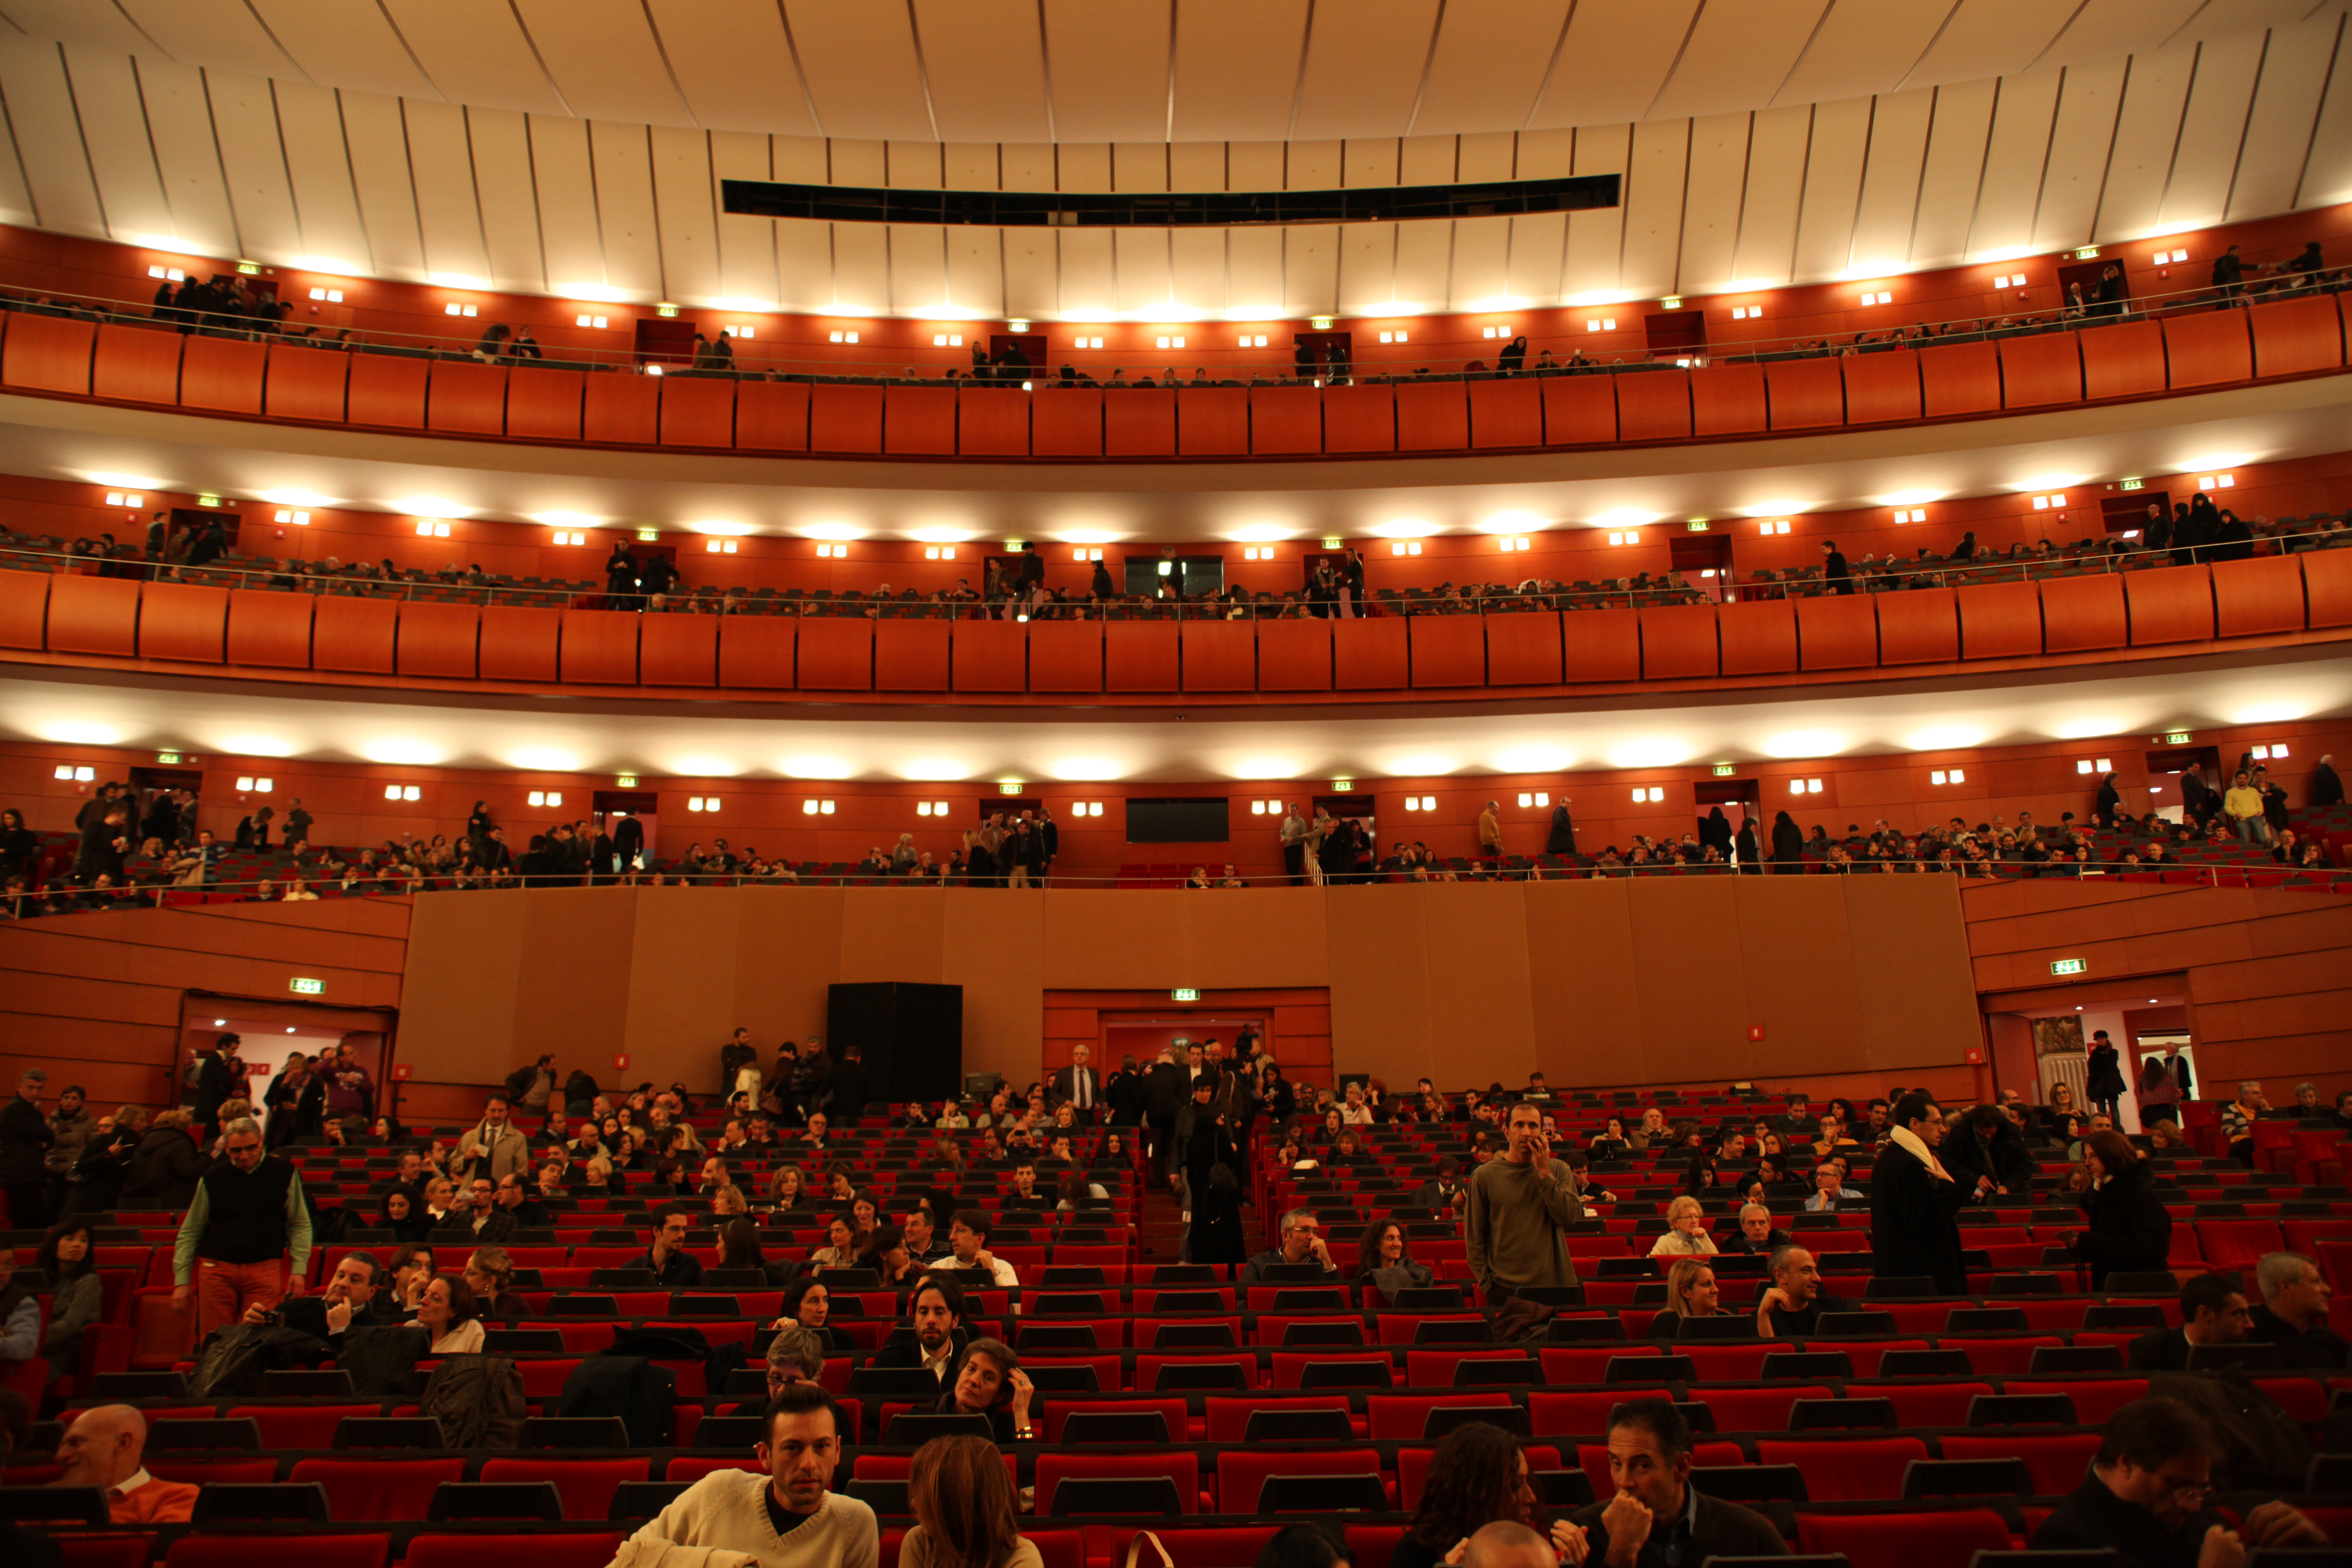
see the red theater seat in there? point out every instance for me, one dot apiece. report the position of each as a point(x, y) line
point(540, 1549)
point(2056, 1460)
point(586, 1485)
point(372, 1490)
point(1241, 1473)
point(1846, 1469)
point(1182, 1467)
point(280, 1550)
point(1945, 1540)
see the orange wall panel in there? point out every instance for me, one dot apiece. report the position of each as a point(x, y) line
point(520, 643)
point(1219, 656)
point(2257, 596)
point(1370, 655)
point(2079, 614)
point(1654, 406)
point(308, 383)
point(1921, 627)
point(1580, 410)
point(545, 404)
point(1524, 649)
point(599, 646)
point(1139, 423)
point(1506, 414)
point(1882, 386)
point(837, 654)
point(2207, 348)
point(2173, 604)
point(46, 353)
point(1066, 422)
point(1759, 638)
point(2327, 587)
point(1284, 420)
point(1359, 419)
point(25, 609)
point(1139, 656)
point(1212, 421)
point(1678, 643)
point(1065, 656)
point(2001, 620)
point(622, 410)
point(1805, 394)
point(1840, 631)
point(679, 650)
point(1448, 650)
point(354, 635)
point(2297, 335)
point(771, 415)
point(698, 411)
point(1432, 416)
point(222, 374)
point(182, 620)
point(919, 419)
point(2126, 360)
point(912, 656)
point(993, 421)
point(136, 364)
point(1601, 644)
point(94, 615)
point(992, 656)
point(439, 641)
point(755, 652)
point(387, 391)
point(1959, 378)
point(468, 399)
point(1728, 399)
point(2042, 369)
point(844, 418)
point(1294, 656)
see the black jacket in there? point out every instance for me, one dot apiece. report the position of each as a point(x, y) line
point(2094, 1518)
point(1915, 1226)
point(853, 1091)
point(1561, 840)
point(1168, 1094)
point(24, 1138)
point(2127, 1228)
point(2004, 1159)
point(1719, 1528)
point(1128, 1094)
point(2320, 1349)
point(1788, 842)
point(165, 1169)
point(2325, 788)
point(2159, 1349)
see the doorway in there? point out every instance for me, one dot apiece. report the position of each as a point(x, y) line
point(2087, 273)
point(665, 340)
point(2129, 515)
point(1742, 800)
point(1187, 576)
point(606, 807)
point(2165, 798)
point(272, 1031)
point(1705, 559)
point(1030, 346)
point(1145, 1034)
point(1319, 357)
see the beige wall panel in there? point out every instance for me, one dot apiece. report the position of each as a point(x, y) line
point(1278, 938)
point(2286, 112)
point(2015, 153)
point(1587, 1022)
point(995, 950)
point(1810, 1012)
point(2081, 135)
point(682, 966)
point(1768, 209)
point(1911, 972)
point(1380, 994)
point(2213, 129)
point(1949, 189)
point(2148, 142)
point(1833, 188)
point(787, 950)
point(570, 942)
point(1694, 1013)
point(467, 957)
point(1888, 212)
point(1106, 940)
point(1481, 998)
point(887, 935)
point(1711, 200)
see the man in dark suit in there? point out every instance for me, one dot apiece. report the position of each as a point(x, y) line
point(352, 1299)
point(853, 1087)
point(1833, 569)
point(628, 840)
point(1915, 1203)
point(1077, 1085)
point(1444, 1190)
point(1171, 1087)
point(1654, 1503)
point(1130, 1095)
point(2212, 1312)
point(2178, 1067)
point(936, 1315)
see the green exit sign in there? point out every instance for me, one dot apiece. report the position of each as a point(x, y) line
point(2176, 738)
point(2135, 484)
point(1183, 994)
point(306, 987)
point(2068, 967)
point(167, 758)
point(1696, 527)
point(1723, 770)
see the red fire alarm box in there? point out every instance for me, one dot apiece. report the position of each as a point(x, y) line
point(621, 1061)
point(400, 1071)
point(1755, 1031)
point(1976, 1057)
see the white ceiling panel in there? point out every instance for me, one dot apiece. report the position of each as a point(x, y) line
point(605, 57)
point(448, 212)
point(1768, 214)
point(747, 246)
point(1421, 161)
point(624, 209)
point(1089, 287)
point(563, 175)
point(2147, 141)
point(1982, 38)
point(345, 44)
point(1082, 166)
point(969, 166)
point(475, 54)
point(1196, 166)
point(1310, 269)
point(913, 165)
point(734, 65)
point(49, 137)
point(1949, 182)
point(179, 126)
point(803, 264)
point(1490, 61)
point(1254, 272)
point(1482, 264)
point(1539, 245)
point(244, 123)
point(986, 68)
point(1711, 202)
point(220, 35)
point(1146, 278)
point(2081, 135)
point(1654, 206)
point(804, 160)
point(1197, 269)
point(79, 22)
point(1736, 54)
point(861, 269)
point(1032, 273)
point(121, 159)
point(1368, 258)
point(683, 213)
point(918, 270)
point(1543, 154)
point(1369, 162)
point(1139, 166)
point(1487, 155)
point(1889, 208)
point(1231, 90)
point(1109, 66)
point(976, 271)
point(1852, 50)
point(1833, 192)
point(2015, 154)
point(1615, 58)
point(2108, 29)
point(1424, 267)
point(376, 140)
point(857, 161)
point(2295, 69)
point(311, 127)
point(1028, 166)
point(861, 66)
point(1596, 239)
point(2212, 132)
point(1363, 76)
point(1313, 166)
point(499, 140)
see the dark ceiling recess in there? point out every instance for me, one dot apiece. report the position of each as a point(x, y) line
point(1166, 209)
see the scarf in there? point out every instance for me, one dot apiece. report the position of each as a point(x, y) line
point(1902, 1138)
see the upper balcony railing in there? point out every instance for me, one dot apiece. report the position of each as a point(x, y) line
point(1384, 400)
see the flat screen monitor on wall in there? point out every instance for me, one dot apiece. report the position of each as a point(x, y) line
point(1178, 821)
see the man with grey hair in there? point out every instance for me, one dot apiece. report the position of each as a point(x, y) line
point(2294, 1313)
point(2238, 1119)
point(1758, 1234)
point(1302, 1242)
point(794, 1355)
point(24, 1140)
point(248, 1216)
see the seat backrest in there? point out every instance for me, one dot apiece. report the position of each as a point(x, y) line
point(1848, 1471)
point(1945, 1539)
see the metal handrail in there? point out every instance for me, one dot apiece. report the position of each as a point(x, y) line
point(2120, 554)
point(1367, 362)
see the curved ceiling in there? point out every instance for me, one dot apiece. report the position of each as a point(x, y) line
point(574, 146)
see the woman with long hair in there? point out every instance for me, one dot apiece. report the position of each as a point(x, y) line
point(739, 1247)
point(447, 1311)
point(963, 1507)
point(403, 1213)
point(2127, 1227)
point(66, 1259)
point(787, 1189)
point(489, 1274)
point(1690, 1292)
point(840, 1248)
point(1385, 1261)
point(1478, 1476)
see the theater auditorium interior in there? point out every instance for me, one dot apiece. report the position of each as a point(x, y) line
point(1730, 600)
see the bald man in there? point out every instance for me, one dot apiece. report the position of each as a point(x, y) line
point(102, 1448)
point(1507, 1543)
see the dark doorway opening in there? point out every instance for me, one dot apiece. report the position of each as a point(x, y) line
point(1705, 559)
point(1191, 576)
point(2164, 792)
point(1323, 356)
point(605, 807)
point(2129, 513)
point(665, 340)
point(2087, 274)
point(146, 779)
point(1741, 800)
point(1031, 347)
point(187, 523)
point(1675, 334)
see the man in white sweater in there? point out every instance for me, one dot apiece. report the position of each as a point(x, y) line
point(789, 1517)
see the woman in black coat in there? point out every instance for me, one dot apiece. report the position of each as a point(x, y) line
point(2129, 1229)
point(1787, 846)
point(166, 1165)
point(1715, 832)
point(1751, 858)
point(2109, 803)
point(2104, 1086)
point(1216, 1232)
point(1562, 837)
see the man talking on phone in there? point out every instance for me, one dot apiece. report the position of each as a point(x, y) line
point(1520, 1208)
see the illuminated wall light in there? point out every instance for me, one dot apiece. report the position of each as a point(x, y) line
point(747, 332)
point(1948, 775)
point(2217, 481)
point(2271, 753)
point(1778, 525)
point(1251, 340)
point(833, 552)
point(125, 498)
point(1083, 554)
point(428, 529)
point(840, 337)
point(655, 370)
point(1804, 786)
point(173, 273)
point(939, 552)
point(1600, 323)
point(1394, 336)
point(1628, 536)
point(455, 308)
point(1649, 793)
point(1881, 297)
point(586, 319)
point(2006, 281)
point(1174, 341)
point(1405, 547)
point(2048, 503)
point(1537, 797)
point(719, 546)
point(710, 803)
point(299, 518)
point(1088, 342)
point(1910, 514)
point(1745, 312)
point(1257, 551)
point(2161, 257)
point(332, 296)
point(571, 536)
point(947, 340)
point(403, 792)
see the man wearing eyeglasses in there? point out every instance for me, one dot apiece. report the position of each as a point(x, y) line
point(2147, 1499)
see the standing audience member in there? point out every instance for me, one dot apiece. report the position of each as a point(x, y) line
point(25, 1140)
point(2146, 1497)
point(1520, 1208)
point(1915, 1203)
point(248, 1216)
point(2127, 1227)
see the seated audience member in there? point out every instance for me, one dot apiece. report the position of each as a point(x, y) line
point(402, 1212)
point(2294, 1313)
point(1384, 1261)
point(986, 1379)
point(1581, 1180)
point(673, 1265)
point(103, 1448)
point(1302, 1242)
point(412, 1270)
point(809, 1305)
point(2212, 1312)
point(1758, 1234)
point(739, 1247)
point(1793, 1305)
point(1685, 1230)
point(489, 1274)
point(1690, 1292)
point(1444, 1190)
point(840, 1248)
point(883, 1250)
point(785, 1515)
point(1311, 1546)
point(448, 1312)
point(796, 1354)
point(925, 1245)
point(963, 1505)
point(1830, 1191)
point(968, 1245)
point(2146, 1497)
point(1347, 1151)
point(2238, 1119)
point(1989, 1145)
point(2127, 1228)
point(20, 1316)
point(935, 1316)
point(1074, 1189)
point(1477, 1477)
point(1655, 1505)
point(1610, 1143)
